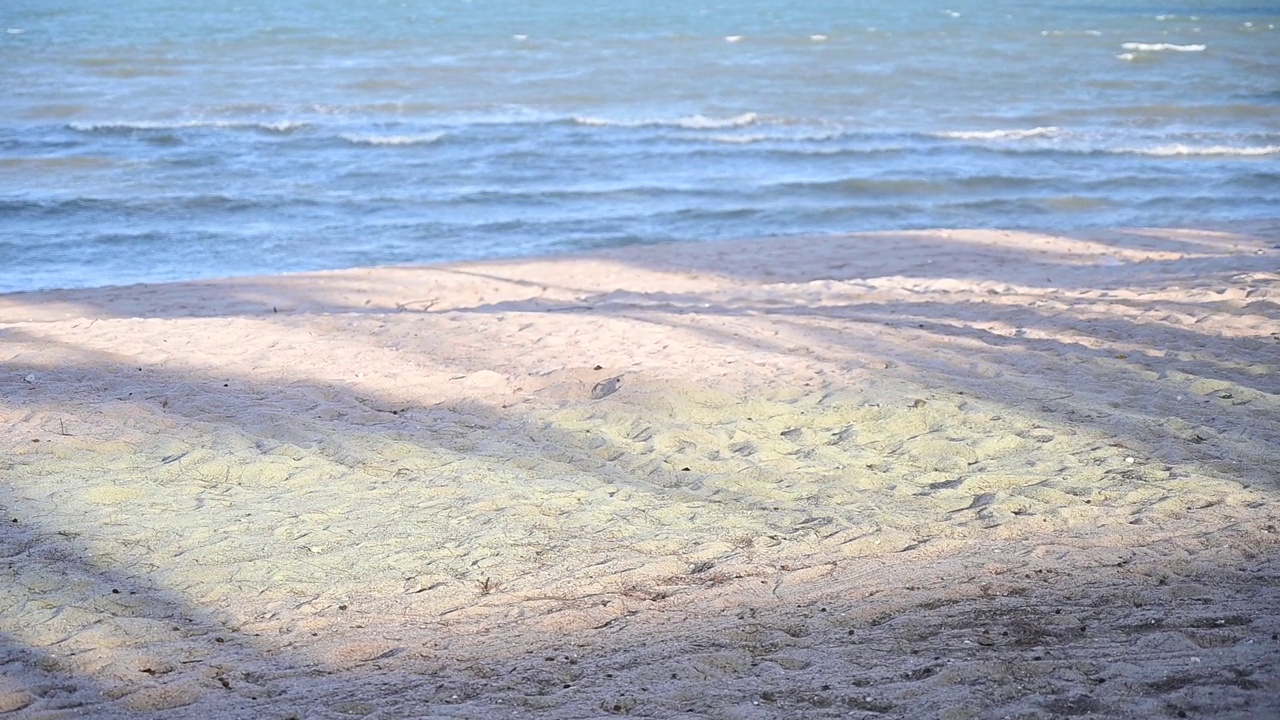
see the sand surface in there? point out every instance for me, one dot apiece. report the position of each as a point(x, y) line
point(944, 474)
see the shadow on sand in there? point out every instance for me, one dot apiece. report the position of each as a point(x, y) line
point(96, 623)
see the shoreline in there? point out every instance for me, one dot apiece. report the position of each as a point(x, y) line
point(1261, 227)
point(848, 474)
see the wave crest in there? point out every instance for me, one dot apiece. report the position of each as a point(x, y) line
point(370, 139)
point(1179, 150)
point(1161, 47)
point(281, 126)
point(693, 122)
point(998, 134)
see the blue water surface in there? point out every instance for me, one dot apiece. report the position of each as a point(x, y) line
point(156, 140)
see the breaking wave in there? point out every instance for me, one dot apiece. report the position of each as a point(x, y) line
point(998, 134)
point(282, 126)
point(370, 139)
point(1176, 150)
point(1162, 47)
point(693, 122)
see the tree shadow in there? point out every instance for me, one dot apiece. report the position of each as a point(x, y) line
point(1139, 371)
point(86, 634)
point(423, 486)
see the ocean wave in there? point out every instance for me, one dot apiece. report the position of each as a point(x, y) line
point(1177, 150)
point(281, 126)
point(997, 134)
point(369, 139)
point(693, 122)
point(739, 139)
point(1168, 150)
point(1161, 47)
point(750, 138)
point(701, 122)
point(137, 207)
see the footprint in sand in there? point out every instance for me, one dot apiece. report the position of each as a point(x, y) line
point(605, 388)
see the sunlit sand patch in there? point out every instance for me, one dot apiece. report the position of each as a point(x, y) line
point(243, 505)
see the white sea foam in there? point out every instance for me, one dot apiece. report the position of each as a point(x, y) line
point(694, 122)
point(1068, 33)
point(369, 139)
point(1127, 57)
point(14, 31)
point(801, 137)
point(134, 125)
point(1161, 47)
point(702, 122)
point(739, 139)
point(818, 37)
point(602, 122)
point(1177, 150)
point(733, 38)
point(998, 134)
point(282, 126)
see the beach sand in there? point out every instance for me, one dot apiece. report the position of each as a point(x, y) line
point(942, 474)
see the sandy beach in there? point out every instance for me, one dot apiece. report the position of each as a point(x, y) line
point(937, 474)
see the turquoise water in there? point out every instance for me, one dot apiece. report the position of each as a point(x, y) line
point(156, 140)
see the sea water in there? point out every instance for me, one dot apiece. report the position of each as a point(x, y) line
point(150, 140)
